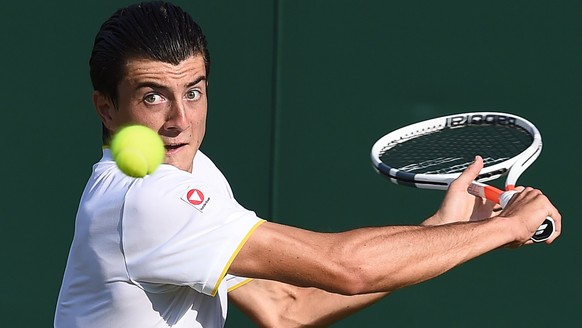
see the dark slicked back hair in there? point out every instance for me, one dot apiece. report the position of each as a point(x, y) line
point(154, 30)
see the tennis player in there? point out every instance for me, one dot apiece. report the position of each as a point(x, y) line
point(174, 248)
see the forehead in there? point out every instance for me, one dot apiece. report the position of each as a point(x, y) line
point(142, 69)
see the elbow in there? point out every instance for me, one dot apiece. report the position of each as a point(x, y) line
point(355, 286)
point(353, 278)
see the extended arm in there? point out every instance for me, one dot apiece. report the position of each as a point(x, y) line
point(374, 260)
point(368, 259)
point(271, 303)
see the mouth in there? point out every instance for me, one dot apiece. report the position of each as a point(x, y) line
point(174, 148)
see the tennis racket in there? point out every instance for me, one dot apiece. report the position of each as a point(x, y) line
point(432, 153)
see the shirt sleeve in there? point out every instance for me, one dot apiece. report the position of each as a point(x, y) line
point(177, 231)
point(234, 282)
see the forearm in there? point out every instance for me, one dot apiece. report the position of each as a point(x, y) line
point(364, 260)
point(411, 256)
point(275, 304)
point(318, 308)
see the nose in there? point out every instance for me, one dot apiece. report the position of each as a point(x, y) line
point(177, 121)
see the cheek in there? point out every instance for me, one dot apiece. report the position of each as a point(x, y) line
point(156, 125)
point(199, 122)
point(128, 115)
point(200, 128)
point(155, 120)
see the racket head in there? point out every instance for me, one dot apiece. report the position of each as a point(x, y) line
point(432, 153)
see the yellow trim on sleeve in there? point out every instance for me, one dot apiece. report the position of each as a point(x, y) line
point(215, 290)
point(240, 284)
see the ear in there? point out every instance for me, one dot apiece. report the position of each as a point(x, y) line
point(105, 109)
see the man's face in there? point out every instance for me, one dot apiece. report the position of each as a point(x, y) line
point(169, 99)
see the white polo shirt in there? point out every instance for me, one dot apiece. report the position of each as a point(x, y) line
point(153, 252)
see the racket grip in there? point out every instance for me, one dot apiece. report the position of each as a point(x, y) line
point(545, 230)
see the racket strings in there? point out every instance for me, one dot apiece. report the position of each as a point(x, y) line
point(451, 150)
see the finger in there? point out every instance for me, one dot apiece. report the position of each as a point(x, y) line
point(531, 195)
point(471, 172)
point(557, 218)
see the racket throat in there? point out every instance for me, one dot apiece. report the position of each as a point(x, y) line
point(485, 191)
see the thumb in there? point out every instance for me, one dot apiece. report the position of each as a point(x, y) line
point(470, 173)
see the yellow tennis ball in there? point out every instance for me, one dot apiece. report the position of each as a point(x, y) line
point(137, 150)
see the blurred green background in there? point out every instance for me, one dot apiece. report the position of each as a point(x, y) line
point(299, 92)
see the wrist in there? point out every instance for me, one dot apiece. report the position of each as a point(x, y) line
point(502, 227)
point(433, 220)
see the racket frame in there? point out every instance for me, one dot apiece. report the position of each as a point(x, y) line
point(512, 168)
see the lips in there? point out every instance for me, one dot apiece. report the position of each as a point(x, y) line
point(174, 147)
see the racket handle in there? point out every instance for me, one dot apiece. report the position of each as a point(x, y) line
point(544, 231)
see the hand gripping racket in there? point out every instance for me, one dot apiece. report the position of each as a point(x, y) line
point(432, 153)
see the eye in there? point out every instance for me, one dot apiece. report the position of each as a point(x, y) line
point(152, 98)
point(193, 95)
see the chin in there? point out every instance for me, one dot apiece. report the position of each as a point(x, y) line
point(184, 165)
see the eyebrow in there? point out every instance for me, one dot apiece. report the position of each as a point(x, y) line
point(155, 85)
